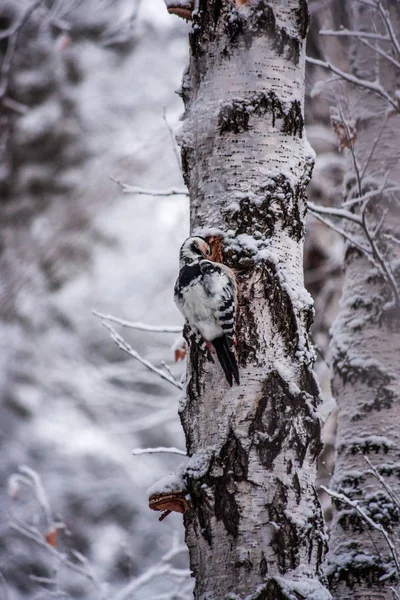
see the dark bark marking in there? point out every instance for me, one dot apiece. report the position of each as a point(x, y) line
point(272, 426)
point(365, 446)
point(285, 542)
point(361, 567)
point(261, 22)
point(372, 376)
point(303, 18)
point(235, 116)
point(296, 487)
point(233, 460)
point(263, 565)
point(379, 507)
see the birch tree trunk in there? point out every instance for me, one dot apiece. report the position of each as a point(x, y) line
point(366, 340)
point(255, 527)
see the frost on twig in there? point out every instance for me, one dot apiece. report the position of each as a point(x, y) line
point(371, 86)
point(377, 526)
point(121, 343)
point(47, 540)
point(131, 189)
point(179, 577)
point(139, 326)
point(159, 450)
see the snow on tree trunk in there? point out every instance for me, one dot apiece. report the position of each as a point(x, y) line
point(255, 527)
point(366, 340)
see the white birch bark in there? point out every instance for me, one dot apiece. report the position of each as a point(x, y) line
point(366, 340)
point(255, 528)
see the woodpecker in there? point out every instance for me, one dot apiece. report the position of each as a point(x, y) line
point(205, 293)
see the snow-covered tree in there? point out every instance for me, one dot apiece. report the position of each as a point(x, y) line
point(254, 526)
point(363, 560)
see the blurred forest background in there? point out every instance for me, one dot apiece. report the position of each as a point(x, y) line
point(83, 90)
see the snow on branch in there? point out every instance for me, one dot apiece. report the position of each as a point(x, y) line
point(361, 512)
point(139, 326)
point(356, 34)
point(48, 540)
point(372, 86)
point(163, 569)
point(383, 483)
point(159, 450)
point(121, 343)
point(131, 189)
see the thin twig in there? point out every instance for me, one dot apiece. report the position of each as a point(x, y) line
point(162, 569)
point(334, 212)
point(381, 52)
point(121, 343)
point(363, 83)
point(374, 145)
point(139, 326)
point(34, 535)
point(160, 450)
point(351, 148)
point(355, 34)
point(395, 594)
point(382, 481)
point(384, 268)
point(345, 235)
point(388, 24)
point(131, 189)
point(371, 522)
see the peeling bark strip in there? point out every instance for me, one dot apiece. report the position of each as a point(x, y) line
point(366, 343)
point(255, 528)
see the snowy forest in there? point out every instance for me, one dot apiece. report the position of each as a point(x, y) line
point(130, 468)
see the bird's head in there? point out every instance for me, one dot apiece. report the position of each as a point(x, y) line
point(194, 248)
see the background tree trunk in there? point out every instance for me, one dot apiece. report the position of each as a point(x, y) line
point(366, 341)
point(255, 527)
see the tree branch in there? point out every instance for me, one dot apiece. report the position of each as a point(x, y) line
point(367, 519)
point(355, 34)
point(131, 189)
point(121, 343)
point(139, 326)
point(159, 450)
point(363, 83)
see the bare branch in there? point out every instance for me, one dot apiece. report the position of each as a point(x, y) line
point(382, 481)
point(159, 450)
point(355, 34)
point(121, 343)
point(381, 52)
point(384, 267)
point(367, 519)
point(334, 212)
point(363, 83)
point(374, 145)
point(131, 189)
point(39, 492)
point(388, 24)
point(162, 569)
point(395, 594)
point(366, 251)
point(34, 535)
point(139, 326)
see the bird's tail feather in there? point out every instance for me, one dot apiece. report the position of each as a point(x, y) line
point(227, 359)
